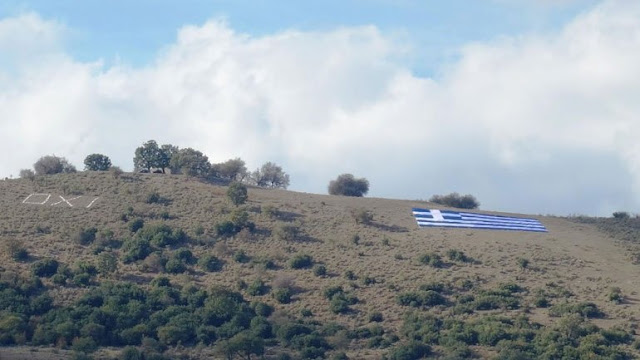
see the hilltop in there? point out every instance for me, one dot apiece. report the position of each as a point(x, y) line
point(464, 293)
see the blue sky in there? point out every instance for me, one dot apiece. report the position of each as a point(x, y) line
point(134, 31)
point(530, 105)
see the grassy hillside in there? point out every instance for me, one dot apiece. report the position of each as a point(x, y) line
point(364, 290)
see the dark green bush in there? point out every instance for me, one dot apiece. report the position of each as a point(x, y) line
point(301, 262)
point(135, 249)
point(431, 259)
point(237, 193)
point(427, 298)
point(283, 295)
point(175, 266)
point(45, 267)
point(85, 236)
point(257, 288)
point(136, 225)
point(586, 309)
point(185, 255)
point(241, 257)
point(411, 351)
point(210, 263)
point(457, 255)
point(320, 270)
point(376, 317)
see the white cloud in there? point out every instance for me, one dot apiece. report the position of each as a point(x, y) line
point(535, 123)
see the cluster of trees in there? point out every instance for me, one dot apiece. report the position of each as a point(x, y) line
point(192, 162)
point(158, 158)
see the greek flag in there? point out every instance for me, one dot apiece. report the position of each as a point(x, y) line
point(454, 219)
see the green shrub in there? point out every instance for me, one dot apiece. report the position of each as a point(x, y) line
point(85, 236)
point(306, 312)
point(427, 298)
point(349, 275)
point(586, 309)
point(136, 225)
point(185, 255)
point(135, 249)
point(412, 351)
point(376, 317)
point(84, 344)
point(283, 295)
point(615, 295)
point(262, 309)
point(431, 259)
point(45, 267)
point(237, 193)
point(241, 257)
point(210, 263)
point(286, 232)
point(320, 270)
point(458, 255)
point(153, 197)
point(82, 279)
point(301, 262)
point(523, 263)
point(175, 266)
point(226, 228)
point(621, 215)
point(257, 288)
point(16, 249)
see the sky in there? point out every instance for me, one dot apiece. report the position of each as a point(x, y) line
point(530, 105)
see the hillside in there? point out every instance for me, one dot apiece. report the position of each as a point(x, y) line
point(534, 279)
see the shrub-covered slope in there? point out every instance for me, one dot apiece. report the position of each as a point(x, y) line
point(164, 266)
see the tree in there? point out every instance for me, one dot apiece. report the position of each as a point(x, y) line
point(51, 164)
point(189, 162)
point(150, 155)
point(348, 185)
point(237, 193)
point(243, 344)
point(232, 170)
point(97, 162)
point(271, 175)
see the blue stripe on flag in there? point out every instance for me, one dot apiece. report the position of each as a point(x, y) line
point(448, 218)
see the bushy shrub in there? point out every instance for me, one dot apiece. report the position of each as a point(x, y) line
point(458, 255)
point(283, 295)
point(376, 317)
point(431, 259)
point(175, 266)
point(241, 256)
point(586, 309)
point(427, 298)
point(362, 216)
point(301, 262)
point(621, 215)
point(135, 249)
point(45, 267)
point(320, 270)
point(210, 263)
point(237, 193)
point(286, 232)
point(136, 225)
point(456, 200)
point(17, 250)
point(85, 236)
point(412, 351)
point(615, 295)
point(262, 309)
point(348, 185)
point(257, 288)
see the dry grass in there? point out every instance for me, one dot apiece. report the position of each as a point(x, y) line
point(577, 257)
